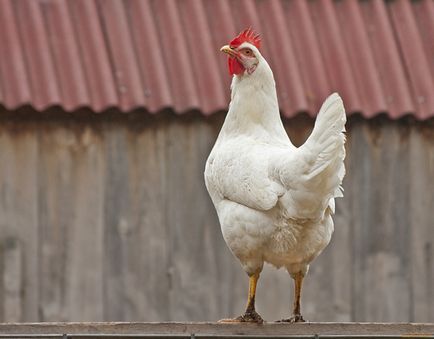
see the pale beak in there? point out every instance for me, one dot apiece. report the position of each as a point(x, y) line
point(231, 52)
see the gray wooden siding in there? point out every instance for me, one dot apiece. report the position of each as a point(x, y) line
point(107, 218)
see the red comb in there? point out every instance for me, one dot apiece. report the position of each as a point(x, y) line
point(248, 35)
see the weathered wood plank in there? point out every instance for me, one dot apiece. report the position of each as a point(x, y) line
point(56, 191)
point(85, 248)
point(270, 329)
point(362, 205)
point(380, 215)
point(421, 203)
point(396, 177)
point(117, 223)
point(147, 279)
point(12, 295)
point(192, 266)
point(18, 205)
point(70, 206)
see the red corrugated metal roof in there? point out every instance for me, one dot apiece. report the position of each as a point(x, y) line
point(164, 53)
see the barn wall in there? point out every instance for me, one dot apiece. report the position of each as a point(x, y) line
point(106, 217)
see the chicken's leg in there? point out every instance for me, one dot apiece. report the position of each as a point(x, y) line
point(296, 311)
point(250, 315)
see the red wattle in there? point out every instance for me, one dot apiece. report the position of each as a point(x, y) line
point(235, 67)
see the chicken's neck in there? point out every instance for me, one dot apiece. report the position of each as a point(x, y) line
point(254, 109)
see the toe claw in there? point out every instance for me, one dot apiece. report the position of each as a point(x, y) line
point(229, 321)
point(248, 317)
point(297, 318)
point(252, 317)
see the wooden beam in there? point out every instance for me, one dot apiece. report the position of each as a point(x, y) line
point(213, 329)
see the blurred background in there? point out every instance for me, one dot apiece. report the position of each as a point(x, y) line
point(109, 109)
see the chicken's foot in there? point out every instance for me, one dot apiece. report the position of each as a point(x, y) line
point(250, 315)
point(296, 311)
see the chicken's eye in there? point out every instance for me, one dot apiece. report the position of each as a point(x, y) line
point(247, 52)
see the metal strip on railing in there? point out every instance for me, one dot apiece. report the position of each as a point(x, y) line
point(205, 336)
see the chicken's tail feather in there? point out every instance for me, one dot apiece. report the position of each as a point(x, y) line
point(314, 174)
point(330, 122)
point(327, 143)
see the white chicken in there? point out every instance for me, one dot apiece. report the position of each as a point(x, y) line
point(274, 201)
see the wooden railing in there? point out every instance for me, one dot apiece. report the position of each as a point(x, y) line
point(214, 330)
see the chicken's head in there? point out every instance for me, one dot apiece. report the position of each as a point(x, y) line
point(243, 52)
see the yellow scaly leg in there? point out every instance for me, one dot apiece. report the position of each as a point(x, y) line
point(250, 315)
